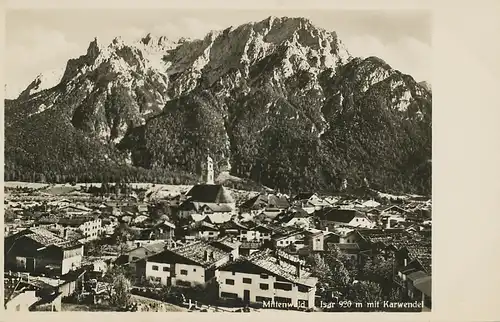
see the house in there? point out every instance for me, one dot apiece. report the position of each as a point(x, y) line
point(394, 210)
point(285, 239)
point(377, 239)
point(268, 278)
point(203, 230)
point(233, 228)
point(270, 202)
point(90, 225)
point(249, 247)
point(315, 240)
point(164, 231)
point(415, 255)
point(210, 193)
point(75, 210)
point(370, 204)
point(310, 202)
point(298, 220)
point(229, 245)
point(39, 250)
point(334, 217)
point(146, 250)
point(258, 233)
point(218, 218)
point(189, 265)
point(21, 300)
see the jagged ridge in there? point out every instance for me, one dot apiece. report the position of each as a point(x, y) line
point(281, 100)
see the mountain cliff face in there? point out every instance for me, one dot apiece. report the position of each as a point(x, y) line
point(280, 101)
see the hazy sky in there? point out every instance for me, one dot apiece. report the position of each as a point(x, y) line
point(41, 40)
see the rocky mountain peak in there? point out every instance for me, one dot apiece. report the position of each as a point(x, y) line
point(246, 92)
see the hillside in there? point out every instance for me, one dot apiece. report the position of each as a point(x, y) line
point(280, 102)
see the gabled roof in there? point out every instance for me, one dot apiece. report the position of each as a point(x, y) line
point(218, 218)
point(215, 207)
point(228, 225)
point(304, 196)
point(43, 237)
point(155, 247)
point(76, 221)
point(265, 200)
point(198, 253)
point(210, 193)
point(337, 214)
point(282, 265)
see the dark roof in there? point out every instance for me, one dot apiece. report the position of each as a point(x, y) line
point(303, 196)
point(263, 200)
point(232, 225)
point(210, 193)
point(76, 221)
point(337, 214)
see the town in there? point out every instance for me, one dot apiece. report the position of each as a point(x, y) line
point(147, 247)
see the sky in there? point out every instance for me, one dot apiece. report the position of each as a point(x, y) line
point(40, 40)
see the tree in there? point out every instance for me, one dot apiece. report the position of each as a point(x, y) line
point(118, 287)
point(364, 292)
point(340, 275)
point(380, 270)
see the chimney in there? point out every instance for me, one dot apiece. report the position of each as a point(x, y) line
point(65, 233)
point(205, 255)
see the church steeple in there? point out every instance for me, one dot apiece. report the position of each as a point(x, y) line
point(207, 170)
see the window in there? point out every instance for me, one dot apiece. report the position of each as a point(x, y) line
point(183, 283)
point(155, 267)
point(194, 269)
point(283, 286)
point(264, 276)
point(184, 272)
point(302, 288)
point(165, 268)
point(229, 281)
point(282, 299)
point(247, 280)
point(264, 286)
point(263, 299)
point(229, 295)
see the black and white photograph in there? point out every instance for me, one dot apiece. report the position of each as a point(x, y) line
point(202, 160)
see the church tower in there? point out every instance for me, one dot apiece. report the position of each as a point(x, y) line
point(207, 171)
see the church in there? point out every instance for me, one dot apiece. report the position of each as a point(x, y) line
point(207, 197)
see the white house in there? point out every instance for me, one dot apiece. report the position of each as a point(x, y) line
point(284, 240)
point(89, 226)
point(189, 265)
point(257, 233)
point(268, 277)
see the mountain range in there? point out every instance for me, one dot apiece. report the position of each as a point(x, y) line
point(280, 102)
